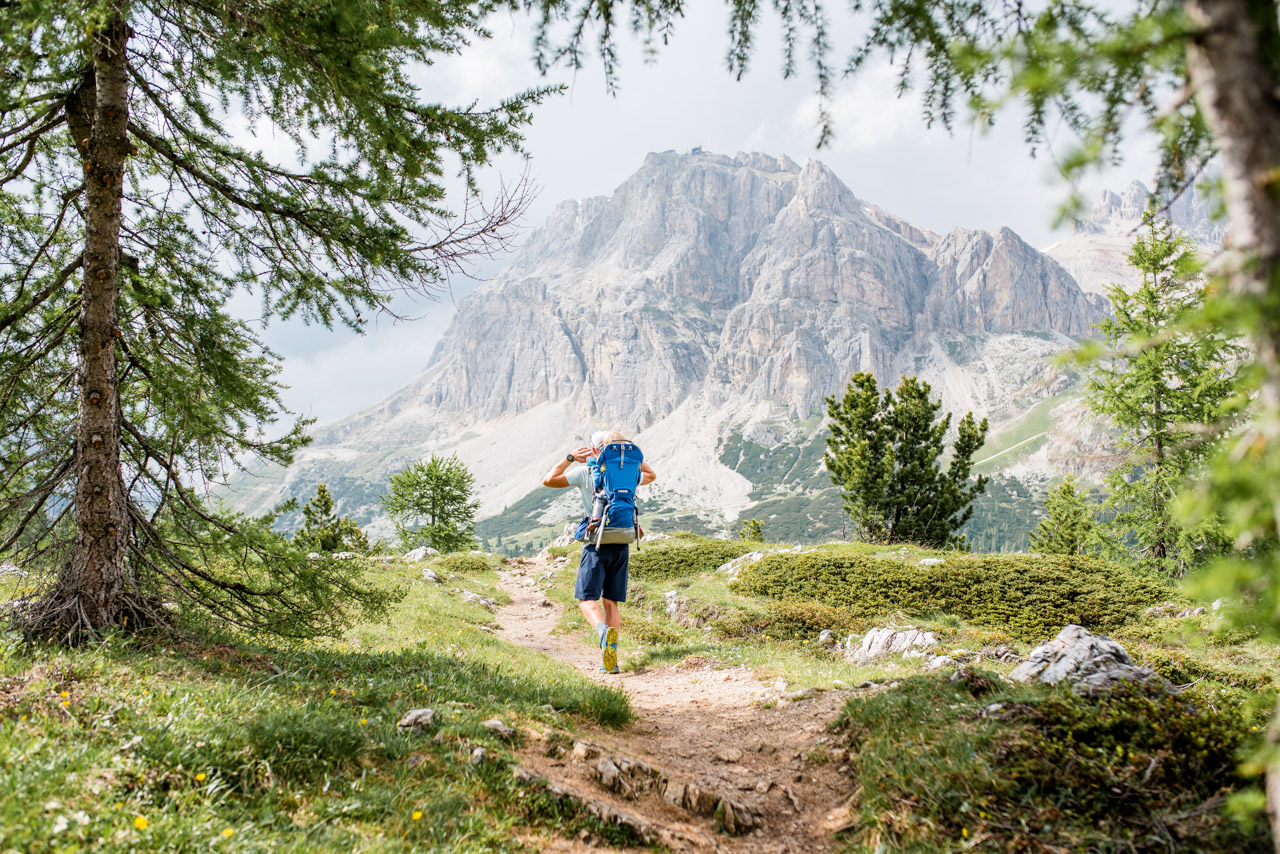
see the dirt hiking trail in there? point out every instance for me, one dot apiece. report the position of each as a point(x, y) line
point(706, 766)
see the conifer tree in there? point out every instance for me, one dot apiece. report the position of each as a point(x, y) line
point(131, 215)
point(1164, 390)
point(432, 504)
point(1068, 526)
point(885, 455)
point(751, 530)
point(324, 531)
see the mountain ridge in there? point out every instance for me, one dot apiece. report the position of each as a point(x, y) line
point(708, 297)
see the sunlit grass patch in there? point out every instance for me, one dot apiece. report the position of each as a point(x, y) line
point(289, 746)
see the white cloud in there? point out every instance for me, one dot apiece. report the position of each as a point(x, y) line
point(867, 113)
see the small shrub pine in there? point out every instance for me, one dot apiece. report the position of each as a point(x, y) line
point(1030, 596)
point(686, 557)
point(461, 563)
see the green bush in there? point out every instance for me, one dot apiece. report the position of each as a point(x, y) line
point(685, 557)
point(1031, 597)
point(972, 764)
point(461, 563)
point(791, 620)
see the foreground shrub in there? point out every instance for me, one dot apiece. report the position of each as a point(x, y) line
point(970, 764)
point(685, 557)
point(1031, 597)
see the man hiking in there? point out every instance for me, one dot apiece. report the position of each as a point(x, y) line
point(602, 571)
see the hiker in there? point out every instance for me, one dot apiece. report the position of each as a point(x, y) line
point(602, 571)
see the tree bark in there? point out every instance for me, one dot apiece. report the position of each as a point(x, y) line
point(91, 589)
point(1233, 63)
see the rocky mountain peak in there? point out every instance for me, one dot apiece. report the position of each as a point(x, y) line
point(710, 296)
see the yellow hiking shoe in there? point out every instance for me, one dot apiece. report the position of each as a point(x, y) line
point(609, 643)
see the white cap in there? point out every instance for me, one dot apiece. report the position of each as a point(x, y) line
point(599, 439)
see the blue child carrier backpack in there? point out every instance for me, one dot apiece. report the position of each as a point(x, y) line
point(615, 476)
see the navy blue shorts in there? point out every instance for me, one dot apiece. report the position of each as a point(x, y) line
point(603, 572)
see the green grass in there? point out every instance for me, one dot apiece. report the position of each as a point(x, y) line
point(290, 748)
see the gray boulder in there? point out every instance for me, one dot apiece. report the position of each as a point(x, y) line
point(417, 719)
point(430, 575)
point(420, 553)
point(883, 642)
point(1089, 663)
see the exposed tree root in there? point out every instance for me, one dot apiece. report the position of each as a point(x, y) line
point(74, 617)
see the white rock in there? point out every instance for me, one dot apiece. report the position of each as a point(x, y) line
point(672, 599)
point(931, 561)
point(421, 553)
point(893, 640)
point(469, 596)
point(826, 637)
point(12, 569)
point(1087, 661)
point(313, 555)
point(344, 555)
point(429, 574)
point(417, 719)
point(937, 662)
point(735, 566)
point(479, 756)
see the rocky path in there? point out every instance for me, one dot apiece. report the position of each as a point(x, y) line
point(710, 764)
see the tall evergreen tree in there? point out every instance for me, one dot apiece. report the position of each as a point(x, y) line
point(432, 504)
point(1068, 527)
point(324, 531)
point(1164, 390)
point(131, 215)
point(885, 454)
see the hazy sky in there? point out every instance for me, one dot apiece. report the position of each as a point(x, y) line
point(586, 142)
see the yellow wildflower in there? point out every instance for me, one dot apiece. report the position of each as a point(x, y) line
point(964, 831)
point(140, 822)
point(64, 695)
point(363, 721)
point(227, 832)
point(200, 778)
point(417, 814)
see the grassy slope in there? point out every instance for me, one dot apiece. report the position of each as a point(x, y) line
point(289, 749)
point(300, 752)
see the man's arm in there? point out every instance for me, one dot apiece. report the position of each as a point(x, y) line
point(647, 474)
point(555, 478)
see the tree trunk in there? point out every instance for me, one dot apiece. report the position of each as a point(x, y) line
point(91, 592)
point(1233, 63)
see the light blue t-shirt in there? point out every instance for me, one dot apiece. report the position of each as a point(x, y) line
point(580, 476)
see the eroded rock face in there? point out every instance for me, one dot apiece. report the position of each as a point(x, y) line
point(1089, 662)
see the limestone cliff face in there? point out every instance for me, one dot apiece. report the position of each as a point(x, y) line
point(744, 276)
point(706, 296)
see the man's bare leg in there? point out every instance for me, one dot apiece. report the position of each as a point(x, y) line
point(612, 614)
point(593, 612)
